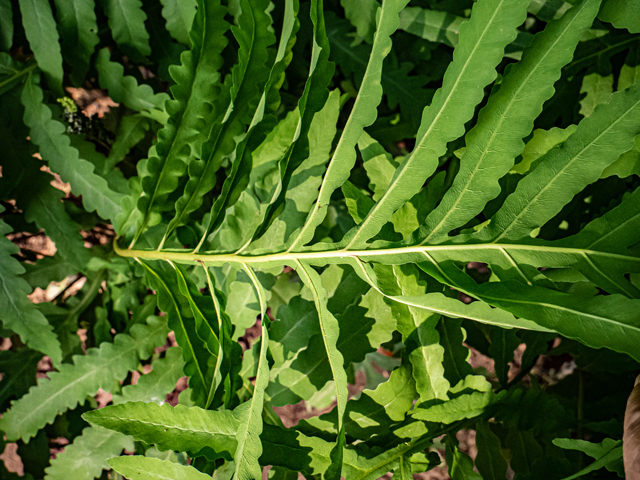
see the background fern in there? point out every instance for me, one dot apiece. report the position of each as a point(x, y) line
point(341, 203)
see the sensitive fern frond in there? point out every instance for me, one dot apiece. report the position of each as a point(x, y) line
point(295, 237)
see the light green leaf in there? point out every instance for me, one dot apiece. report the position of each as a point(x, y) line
point(179, 16)
point(418, 329)
point(362, 15)
point(606, 453)
point(432, 25)
point(622, 14)
point(628, 163)
point(465, 406)
point(192, 430)
point(330, 331)
point(86, 457)
point(376, 409)
point(249, 413)
point(146, 468)
point(541, 142)
point(598, 90)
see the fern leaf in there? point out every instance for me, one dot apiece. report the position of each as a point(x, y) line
point(203, 309)
point(456, 367)
point(12, 71)
point(125, 89)
point(39, 200)
point(465, 406)
point(181, 321)
point(459, 463)
point(19, 369)
point(261, 125)
point(132, 131)
point(482, 41)
point(193, 430)
point(431, 25)
point(597, 321)
point(598, 141)
point(312, 100)
point(248, 78)
point(444, 27)
point(126, 21)
point(146, 468)
point(598, 90)
point(362, 15)
point(40, 28)
point(418, 329)
point(18, 313)
point(363, 114)
point(63, 159)
point(249, 413)
point(400, 88)
point(388, 403)
point(489, 461)
point(621, 14)
point(99, 368)
point(86, 457)
point(496, 140)
point(197, 86)
point(179, 16)
point(438, 303)
point(78, 28)
point(6, 25)
point(330, 330)
point(503, 344)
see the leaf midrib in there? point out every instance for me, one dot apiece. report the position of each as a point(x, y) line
point(342, 256)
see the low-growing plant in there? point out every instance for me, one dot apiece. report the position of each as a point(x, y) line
point(382, 189)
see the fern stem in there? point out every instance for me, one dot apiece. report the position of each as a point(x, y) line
point(342, 256)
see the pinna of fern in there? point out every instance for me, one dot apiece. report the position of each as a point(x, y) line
point(243, 181)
